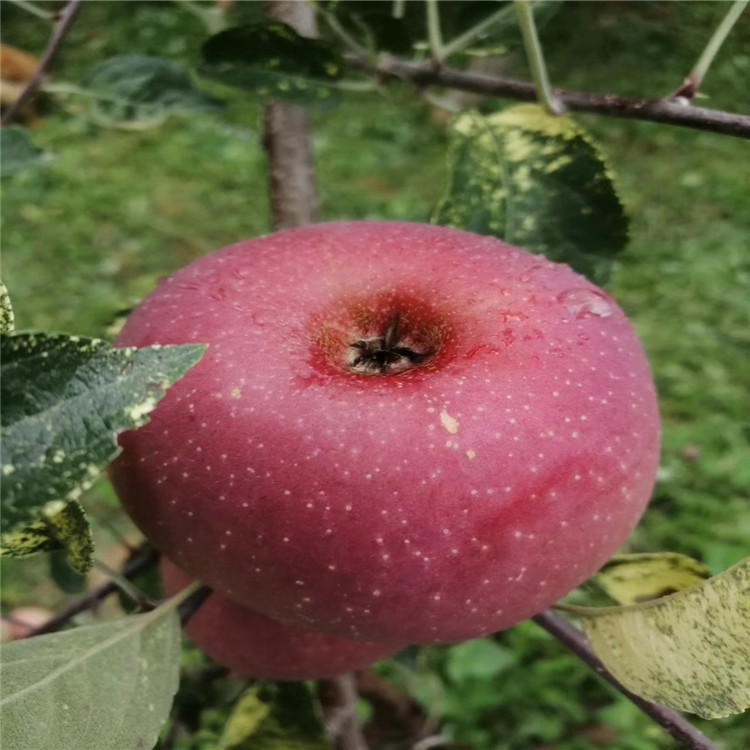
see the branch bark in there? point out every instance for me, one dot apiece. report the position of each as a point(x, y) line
point(291, 170)
point(338, 697)
point(569, 635)
point(294, 202)
point(665, 111)
point(67, 17)
point(143, 559)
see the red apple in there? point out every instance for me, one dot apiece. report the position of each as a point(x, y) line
point(399, 432)
point(256, 646)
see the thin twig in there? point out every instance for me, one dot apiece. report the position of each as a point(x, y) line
point(674, 723)
point(67, 16)
point(652, 110)
point(536, 58)
point(693, 82)
point(146, 557)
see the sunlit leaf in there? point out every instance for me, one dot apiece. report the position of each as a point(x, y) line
point(536, 181)
point(275, 716)
point(64, 399)
point(273, 60)
point(7, 319)
point(136, 91)
point(99, 686)
point(630, 579)
point(690, 650)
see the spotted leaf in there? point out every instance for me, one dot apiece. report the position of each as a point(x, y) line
point(64, 399)
point(7, 319)
point(536, 181)
point(690, 650)
point(273, 60)
point(68, 530)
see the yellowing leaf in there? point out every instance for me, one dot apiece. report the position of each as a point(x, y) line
point(631, 579)
point(66, 529)
point(275, 716)
point(537, 181)
point(690, 650)
point(6, 311)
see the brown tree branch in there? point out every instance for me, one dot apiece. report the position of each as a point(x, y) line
point(294, 202)
point(144, 558)
point(65, 22)
point(569, 635)
point(665, 111)
point(291, 171)
point(338, 697)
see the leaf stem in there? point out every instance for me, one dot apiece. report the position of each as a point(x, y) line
point(399, 8)
point(695, 78)
point(674, 723)
point(536, 58)
point(32, 8)
point(67, 17)
point(122, 582)
point(345, 36)
point(459, 43)
point(434, 34)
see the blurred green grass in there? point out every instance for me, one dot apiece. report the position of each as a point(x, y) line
point(117, 209)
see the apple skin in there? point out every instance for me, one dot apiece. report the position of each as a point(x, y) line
point(435, 504)
point(256, 646)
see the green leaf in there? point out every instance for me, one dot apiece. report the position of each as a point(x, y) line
point(275, 716)
point(136, 92)
point(99, 686)
point(481, 658)
point(7, 318)
point(64, 400)
point(631, 579)
point(273, 60)
point(690, 650)
point(536, 181)
point(62, 573)
point(19, 152)
point(68, 530)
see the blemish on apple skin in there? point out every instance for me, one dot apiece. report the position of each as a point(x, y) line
point(236, 392)
point(448, 422)
point(471, 454)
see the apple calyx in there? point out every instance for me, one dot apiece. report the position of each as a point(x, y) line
point(388, 354)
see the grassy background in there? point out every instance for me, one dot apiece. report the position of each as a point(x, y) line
point(117, 209)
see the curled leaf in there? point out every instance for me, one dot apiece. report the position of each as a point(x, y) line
point(690, 650)
point(630, 579)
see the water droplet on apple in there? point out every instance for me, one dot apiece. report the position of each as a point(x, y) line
point(582, 303)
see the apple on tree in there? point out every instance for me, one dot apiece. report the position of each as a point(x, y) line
point(256, 646)
point(399, 432)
